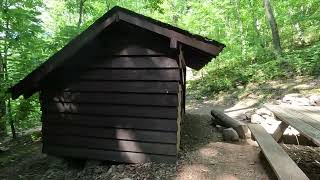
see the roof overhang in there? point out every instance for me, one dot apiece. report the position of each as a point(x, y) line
point(30, 83)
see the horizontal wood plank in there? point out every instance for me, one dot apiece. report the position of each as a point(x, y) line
point(112, 98)
point(296, 122)
point(127, 74)
point(103, 155)
point(134, 62)
point(111, 133)
point(309, 115)
point(112, 110)
point(111, 144)
point(122, 86)
point(111, 122)
point(124, 48)
point(283, 166)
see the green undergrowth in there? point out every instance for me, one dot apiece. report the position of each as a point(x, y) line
point(228, 73)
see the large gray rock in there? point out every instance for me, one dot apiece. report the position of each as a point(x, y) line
point(298, 100)
point(230, 134)
point(220, 128)
point(289, 98)
point(264, 111)
point(301, 102)
point(314, 100)
point(249, 113)
point(257, 119)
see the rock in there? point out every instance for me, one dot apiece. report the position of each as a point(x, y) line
point(277, 102)
point(257, 119)
point(241, 117)
point(266, 116)
point(111, 169)
point(249, 113)
point(219, 128)
point(230, 134)
point(126, 179)
point(314, 100)
point(3, 149)
point(264, 111)
point(298, 100)
point(301, 102)
point(289, 98)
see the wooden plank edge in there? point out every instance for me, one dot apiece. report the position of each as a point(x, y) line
point(294, 173)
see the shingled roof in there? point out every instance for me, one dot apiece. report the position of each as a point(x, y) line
point(211, 48)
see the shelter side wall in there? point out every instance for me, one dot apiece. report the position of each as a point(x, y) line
point(124, 108)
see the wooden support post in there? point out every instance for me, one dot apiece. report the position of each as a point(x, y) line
point(279, 131)
point(173, 43)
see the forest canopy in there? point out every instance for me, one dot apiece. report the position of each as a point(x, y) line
point(265, 40)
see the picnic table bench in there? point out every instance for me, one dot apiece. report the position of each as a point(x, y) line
point(306, 120)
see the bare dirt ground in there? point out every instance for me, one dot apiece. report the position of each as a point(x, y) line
point(203, 155)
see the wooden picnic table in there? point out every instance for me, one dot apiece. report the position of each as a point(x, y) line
point(305, 119)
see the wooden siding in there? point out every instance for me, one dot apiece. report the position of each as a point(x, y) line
point(134, 62)
point(97, 154)
point(120, 86)
point(123, 122)
point(111, 133)
point(112, 144)
point(112, 110)
point(113, 98)
point(123, 74)
point(124, 108)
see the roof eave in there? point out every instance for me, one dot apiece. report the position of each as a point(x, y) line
point(30, 83)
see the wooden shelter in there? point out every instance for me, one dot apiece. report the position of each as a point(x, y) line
point(116, 92)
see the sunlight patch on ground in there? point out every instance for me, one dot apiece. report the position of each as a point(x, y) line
point(226, 177)
point(194, 171)
point(208, 152)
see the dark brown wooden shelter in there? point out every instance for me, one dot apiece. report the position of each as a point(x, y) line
point(116, 92)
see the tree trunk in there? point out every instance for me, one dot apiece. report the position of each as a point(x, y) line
point(108, 5)
point(3, 71)
point(2, 104)
point(297, 30)
point(81, 4)
point(240, 24)
point(257, 36)
point(11, 121)
point(273, 25)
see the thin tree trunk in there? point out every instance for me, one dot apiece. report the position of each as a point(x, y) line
point(81, 4)
point(107, 5)
point(3, 71)
point(2, 102)
point(296, 28)
point(11, 121)
point(273, 25)
point(257, 37)
point(240, 27)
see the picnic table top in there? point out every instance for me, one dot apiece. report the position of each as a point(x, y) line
point(305, 119)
